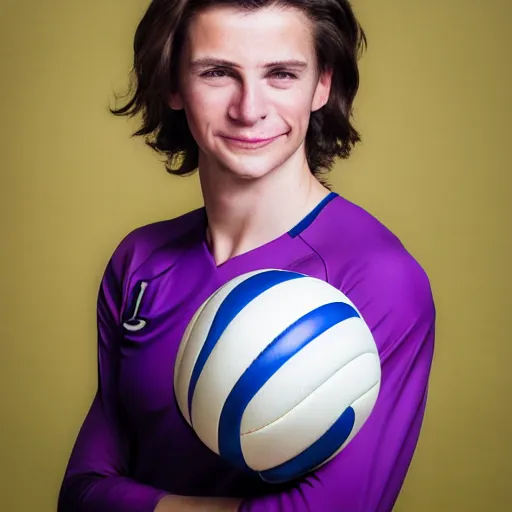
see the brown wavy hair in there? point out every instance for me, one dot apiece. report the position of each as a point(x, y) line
point(339, 42)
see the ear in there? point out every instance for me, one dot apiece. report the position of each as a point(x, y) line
point(322, 91)
point(176, 101)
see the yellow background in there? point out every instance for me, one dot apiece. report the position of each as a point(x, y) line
point(434, 110)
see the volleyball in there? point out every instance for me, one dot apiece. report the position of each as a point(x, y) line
point(276, 373)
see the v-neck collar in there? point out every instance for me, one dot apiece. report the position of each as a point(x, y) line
point(256, 257)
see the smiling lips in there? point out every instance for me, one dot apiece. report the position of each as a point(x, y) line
point(248, 143)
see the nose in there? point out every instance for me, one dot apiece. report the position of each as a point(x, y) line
point(249, 104)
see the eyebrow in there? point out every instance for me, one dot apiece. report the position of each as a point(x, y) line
point(213, 62)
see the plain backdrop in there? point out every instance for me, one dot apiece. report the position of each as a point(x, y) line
point(434, 110)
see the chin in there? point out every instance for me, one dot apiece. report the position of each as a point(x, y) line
point(251, 172)
point(248, 167)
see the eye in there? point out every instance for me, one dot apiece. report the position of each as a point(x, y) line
point(283, 75)
point(215, 73)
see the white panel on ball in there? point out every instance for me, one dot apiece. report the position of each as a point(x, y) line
point(363, 407)
point(307, 422)
point(284, 391)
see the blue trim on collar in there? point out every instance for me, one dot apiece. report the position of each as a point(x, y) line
point(311, 216)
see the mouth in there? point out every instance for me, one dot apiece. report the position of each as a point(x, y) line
point(250, 143)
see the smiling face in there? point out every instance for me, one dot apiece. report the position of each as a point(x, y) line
point(248, 84)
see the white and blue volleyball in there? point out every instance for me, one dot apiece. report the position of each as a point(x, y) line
point(276, 373)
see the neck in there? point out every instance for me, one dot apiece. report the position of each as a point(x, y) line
point(244, 213)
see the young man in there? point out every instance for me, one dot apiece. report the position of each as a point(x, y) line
point(258, 96)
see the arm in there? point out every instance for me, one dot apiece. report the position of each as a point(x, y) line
point(368, 474)
point(97, 476)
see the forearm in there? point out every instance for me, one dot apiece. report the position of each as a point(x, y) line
point(193, 504)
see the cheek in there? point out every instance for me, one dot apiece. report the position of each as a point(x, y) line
point(197, 117)
point(294, 106)
point(203, 109)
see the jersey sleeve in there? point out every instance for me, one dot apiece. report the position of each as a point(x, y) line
point(394, 297)
point(96, 478)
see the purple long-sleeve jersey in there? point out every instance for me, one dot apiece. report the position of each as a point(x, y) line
point(134, 445)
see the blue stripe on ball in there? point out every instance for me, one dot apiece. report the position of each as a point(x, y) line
point(317, 453)
point(275, 355)
point(235, 301)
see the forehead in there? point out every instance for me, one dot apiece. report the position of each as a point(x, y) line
point(251, 37)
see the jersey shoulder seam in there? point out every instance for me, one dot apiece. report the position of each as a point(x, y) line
point(320, 257)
